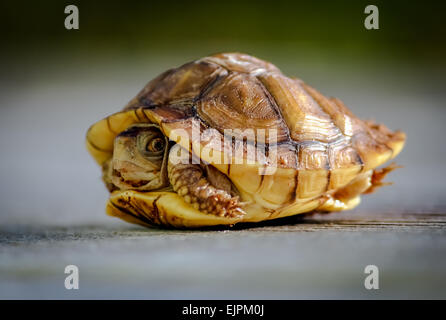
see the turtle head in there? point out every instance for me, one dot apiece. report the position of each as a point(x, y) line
point(139, 159)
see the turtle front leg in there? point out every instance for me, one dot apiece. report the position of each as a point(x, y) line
point(202, 186)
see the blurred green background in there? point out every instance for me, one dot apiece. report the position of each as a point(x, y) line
point(409, 30)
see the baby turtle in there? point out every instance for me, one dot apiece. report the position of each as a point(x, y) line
point(228, 138)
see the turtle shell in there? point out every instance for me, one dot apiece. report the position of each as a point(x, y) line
point(319, 145)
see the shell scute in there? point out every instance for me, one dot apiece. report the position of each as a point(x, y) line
point(181, 84)
point(239, 62)
point(280, 187)
point(239, 101)
point(304, 117)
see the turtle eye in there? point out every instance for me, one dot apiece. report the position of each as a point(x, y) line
point(155, 145)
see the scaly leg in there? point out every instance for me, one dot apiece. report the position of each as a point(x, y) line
point(202, 186)
point(378, 175)
point(349, 197)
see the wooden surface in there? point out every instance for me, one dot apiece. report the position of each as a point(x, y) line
point(322, 256)
point(398, 222)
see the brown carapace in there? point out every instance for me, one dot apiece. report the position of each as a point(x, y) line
point(229, 138)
